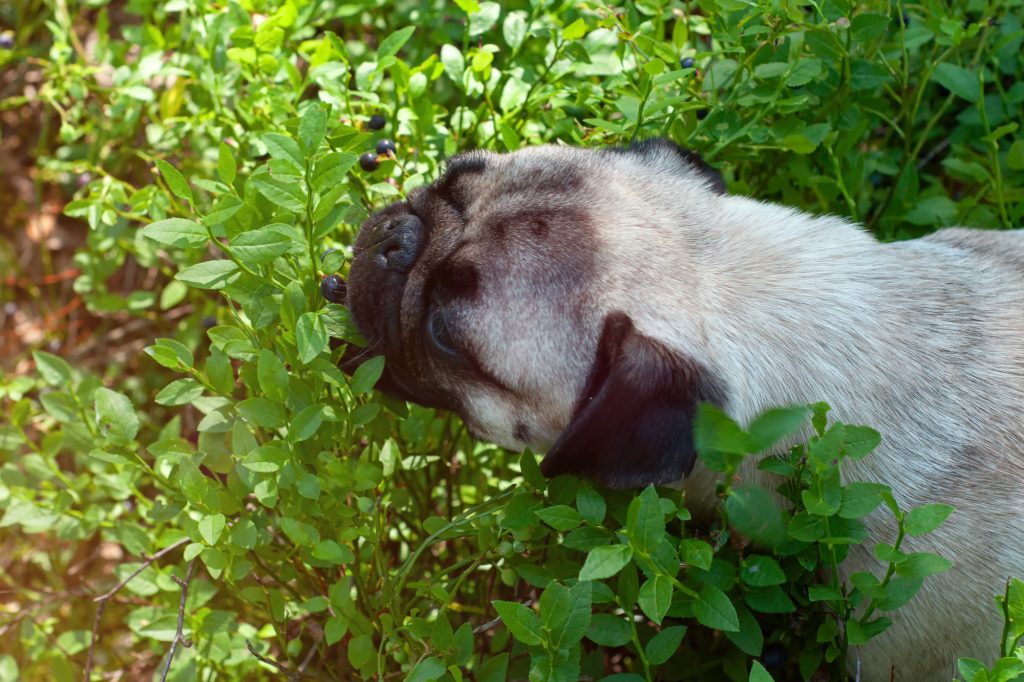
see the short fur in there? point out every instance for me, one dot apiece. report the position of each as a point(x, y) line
point(610, 290)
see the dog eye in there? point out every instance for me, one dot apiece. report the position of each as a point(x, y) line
point(441, 333)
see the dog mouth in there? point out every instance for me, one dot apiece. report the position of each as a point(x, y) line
point(387, 248)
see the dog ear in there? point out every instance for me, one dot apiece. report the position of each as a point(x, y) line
point(691, 161)
point(633, 423)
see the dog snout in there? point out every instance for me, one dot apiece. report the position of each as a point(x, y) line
point(397, 242)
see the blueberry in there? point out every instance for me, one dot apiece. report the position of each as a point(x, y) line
point(209, 321)
point(368, 162)
point(6, 41)
point(384, 146)
point(774, 657)
point(376, 122)
point(687, 62)
point(333, 289)
point(905, 18)
point(702, 114)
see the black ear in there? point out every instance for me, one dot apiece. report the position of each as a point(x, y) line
point(692, 160)
point(633, 423)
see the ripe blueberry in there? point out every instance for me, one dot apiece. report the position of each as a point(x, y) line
point(384, 146)
point(368, 162)
point(702, 114)
point(687, 62)
point(333, 289)
point(376, 122)
point(6, 41)
point(774, 657)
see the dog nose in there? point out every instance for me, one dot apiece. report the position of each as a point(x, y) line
point(397, 242)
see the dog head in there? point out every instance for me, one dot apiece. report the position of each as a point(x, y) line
point(515, 291)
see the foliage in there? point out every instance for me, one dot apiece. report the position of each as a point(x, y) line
point(326, 529)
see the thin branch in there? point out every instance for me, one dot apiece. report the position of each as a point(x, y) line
point(179, 637)
point(281, 667)
point(101, 601)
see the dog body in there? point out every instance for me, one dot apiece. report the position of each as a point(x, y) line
point(583, 301)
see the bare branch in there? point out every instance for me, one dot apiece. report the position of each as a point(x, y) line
point(179, 637)
point(101, 601)
point(281, 667)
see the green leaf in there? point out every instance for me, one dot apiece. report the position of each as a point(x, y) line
point(926, 518)
point(54, 370)
point(288, 196)
point(758, 673)
point(262, 412)
point(367, 375)
point(211, 274)
point(175, 180)
point(427, 670)
point(521, 621)
point(749, 638)
point(308, 486)
point(329, 175)
point(761, 571)
point(645, 522)
point(284, 148)
point(575, 30)
point(310, 337)
point(115, 414)
point(560, 517)
point(752, 512)
point(604, 562)
point(867, 26)
point(609, 630)
point(305, 424)
point(565, 613)
point(272, 375)
point(176, 232)
point(661, 647)
point(590, 504)
point(454, 63)
point(958, 80)
point(860, 499)
point(482, 21)
point(331, 551)
point(860, 440)
point(715, 431)
point(312, 127)
point(258, 247)
point(210, 528)
point(774, 425)
point(394, 42)
point(1015, 156)
point(513, 29)
point(227, 168)
point(180, 392)
point(655, 597)
point(697, 553)
point(922, 564)
point(714, 610)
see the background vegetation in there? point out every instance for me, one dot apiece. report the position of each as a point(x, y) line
point(189, 487)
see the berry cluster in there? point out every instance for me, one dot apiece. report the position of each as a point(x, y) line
point(370, 161)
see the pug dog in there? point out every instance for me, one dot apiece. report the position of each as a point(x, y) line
point(582, 302)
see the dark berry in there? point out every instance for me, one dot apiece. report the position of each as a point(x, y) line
point(774, 657)
point(905, 18)
point(6, 41)
point(702, 114)
point(333, 289)
point(368, 162)
point(209, 321)
point(376, 122)
point(384, 146)
point(687, 62)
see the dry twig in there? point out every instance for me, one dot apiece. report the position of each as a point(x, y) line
point(101, 601)
point(179, 637)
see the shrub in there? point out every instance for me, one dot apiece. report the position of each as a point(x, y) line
point(245, 497)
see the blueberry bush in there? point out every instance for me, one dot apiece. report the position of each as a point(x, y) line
point(205, 495)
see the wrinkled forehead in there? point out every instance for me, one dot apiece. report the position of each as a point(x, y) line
point(545, 178)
